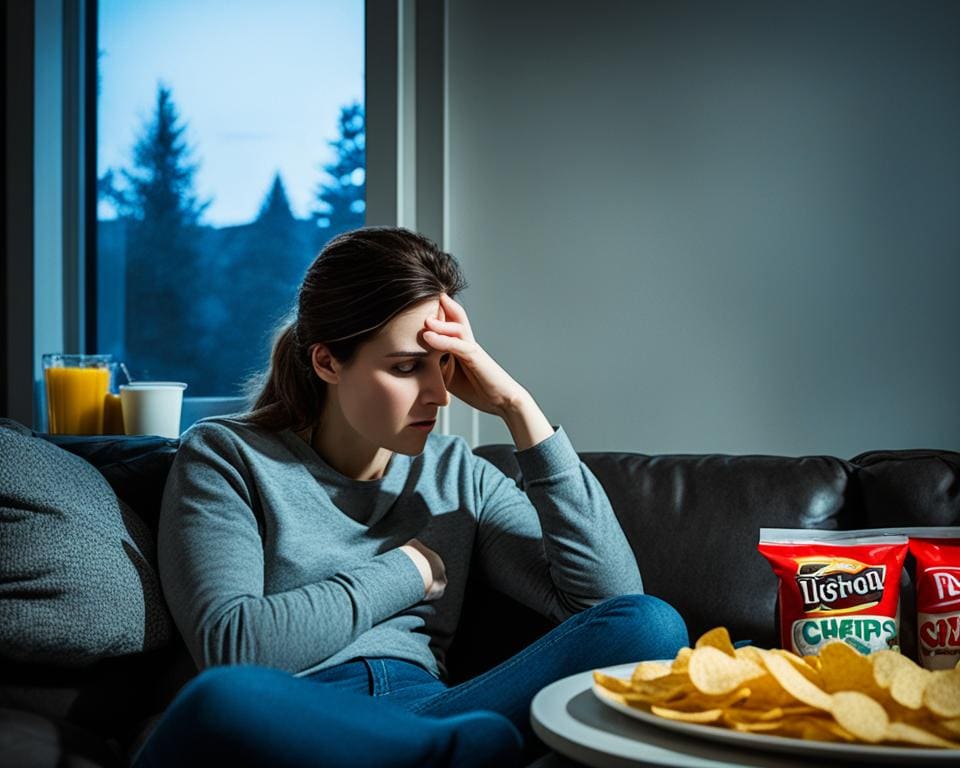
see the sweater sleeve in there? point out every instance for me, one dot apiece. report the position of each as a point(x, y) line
point(211, 563)
point(555, 545)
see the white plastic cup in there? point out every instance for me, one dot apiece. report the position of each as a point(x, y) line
point(152, 407)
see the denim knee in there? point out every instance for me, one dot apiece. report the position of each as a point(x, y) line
point(651, 625)
point(224, 695)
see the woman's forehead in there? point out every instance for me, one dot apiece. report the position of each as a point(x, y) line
point(405, 331)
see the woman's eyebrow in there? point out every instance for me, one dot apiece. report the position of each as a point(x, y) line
point(418, 353)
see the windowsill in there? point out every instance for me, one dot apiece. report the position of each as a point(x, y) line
point(196, 408)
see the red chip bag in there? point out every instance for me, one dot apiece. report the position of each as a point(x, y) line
point(836, 585)
point(937, 551)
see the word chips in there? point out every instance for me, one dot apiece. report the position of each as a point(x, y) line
point(836, 695)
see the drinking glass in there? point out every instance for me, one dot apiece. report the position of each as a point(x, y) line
point(76, 387)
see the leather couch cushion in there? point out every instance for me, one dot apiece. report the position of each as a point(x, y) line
point(693, 522)
point(78, 580)
point(908, 488)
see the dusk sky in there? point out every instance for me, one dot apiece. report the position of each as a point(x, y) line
point(259, 85)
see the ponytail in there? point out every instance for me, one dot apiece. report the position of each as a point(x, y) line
point(289, 394)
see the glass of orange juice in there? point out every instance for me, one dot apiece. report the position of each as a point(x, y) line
point(112, 413)
point(76, 387)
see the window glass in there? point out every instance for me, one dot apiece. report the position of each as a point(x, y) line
point(230, 149)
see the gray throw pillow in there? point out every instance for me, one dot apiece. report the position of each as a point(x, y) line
point(78, 578)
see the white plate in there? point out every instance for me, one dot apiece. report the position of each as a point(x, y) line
point(826, 749)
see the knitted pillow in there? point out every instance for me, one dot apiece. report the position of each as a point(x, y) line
point(78, 578)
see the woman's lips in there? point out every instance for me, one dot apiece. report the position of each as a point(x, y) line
point(426, 426)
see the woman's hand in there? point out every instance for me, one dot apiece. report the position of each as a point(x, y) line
point(477, 379)
point(431, 567)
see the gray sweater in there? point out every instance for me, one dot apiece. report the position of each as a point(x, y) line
point(269, 556)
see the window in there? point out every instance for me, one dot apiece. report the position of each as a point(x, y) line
point(230, 148)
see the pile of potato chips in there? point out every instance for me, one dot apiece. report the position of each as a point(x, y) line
point(837, 695)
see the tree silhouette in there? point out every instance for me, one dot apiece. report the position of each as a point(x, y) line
point(276, 233)
point(163, 274)
point(341, 204)
point(276, 206)
point(264, 262)
point(161, 183)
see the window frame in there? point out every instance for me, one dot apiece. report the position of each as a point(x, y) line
point(50, 291)
point(380, 68)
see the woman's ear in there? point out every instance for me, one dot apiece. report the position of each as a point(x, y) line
point(324, 364)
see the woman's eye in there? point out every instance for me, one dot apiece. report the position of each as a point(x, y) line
point(416, 365)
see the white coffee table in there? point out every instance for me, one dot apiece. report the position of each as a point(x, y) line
point(569, 719)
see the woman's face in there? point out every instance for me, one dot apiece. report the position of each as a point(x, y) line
point(381, 393)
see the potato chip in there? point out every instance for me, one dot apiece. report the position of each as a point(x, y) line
point(844, 669)
point(951, 726)
point(766, 693)
point(650, 670)
point(611, 683)
point(682, 660)
point(860, 715)
point(942, 693)
point(745, 715)
point(703, 716)
point(821, 729)
point(695, 700)
point(805, 727)
point(718, 638)
point(885, 666)
point(908, 684)
point(794, 683)
point(659, 690)
point(801, 666)
point(749, 653)
point(911, 734)
point(713, 671)
point(758, 726)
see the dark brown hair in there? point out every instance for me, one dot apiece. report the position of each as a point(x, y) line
point(360, 280)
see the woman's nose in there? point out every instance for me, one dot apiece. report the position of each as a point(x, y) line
point(436, 388)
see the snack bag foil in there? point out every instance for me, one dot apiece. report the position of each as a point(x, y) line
point(937, 552)
point(836, 585)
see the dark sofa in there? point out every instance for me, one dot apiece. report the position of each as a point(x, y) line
point(692, 520)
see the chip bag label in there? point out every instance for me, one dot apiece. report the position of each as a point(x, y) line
point(864, 633)
point(937, 552)
point(836, 585)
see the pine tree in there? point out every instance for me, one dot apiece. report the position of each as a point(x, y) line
point(266, 260)
point(277, 259)
point(275, 210)
point(342, 203)
point(163, 273)
point(161, 184)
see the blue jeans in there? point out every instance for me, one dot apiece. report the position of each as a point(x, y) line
point(392, 712)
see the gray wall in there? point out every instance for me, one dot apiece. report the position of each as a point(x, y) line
point(695, 226)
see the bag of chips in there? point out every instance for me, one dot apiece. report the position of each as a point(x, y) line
point(836, 585)
point(937, 552)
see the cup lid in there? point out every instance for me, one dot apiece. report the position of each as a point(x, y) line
point(154, 385)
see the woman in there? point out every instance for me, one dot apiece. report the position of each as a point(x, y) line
point(319, 545)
